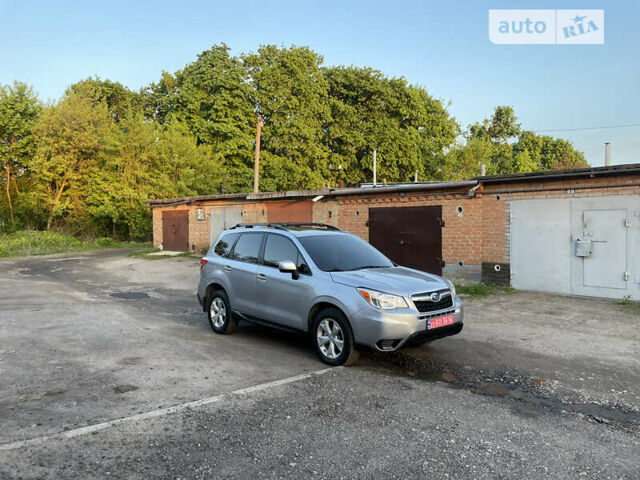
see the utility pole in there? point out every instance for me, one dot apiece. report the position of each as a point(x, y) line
point(375, 166)
point(256, 165)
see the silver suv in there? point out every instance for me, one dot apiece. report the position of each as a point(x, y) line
point(315, 278)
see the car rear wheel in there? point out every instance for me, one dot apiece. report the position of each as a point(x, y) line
point(219, 313)
point(333, 339)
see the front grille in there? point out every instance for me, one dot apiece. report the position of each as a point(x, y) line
point(429, 306)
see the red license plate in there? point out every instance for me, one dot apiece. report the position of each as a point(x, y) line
point(440, 322)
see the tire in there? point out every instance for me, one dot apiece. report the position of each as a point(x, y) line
point(336, 348)
point(219, 313)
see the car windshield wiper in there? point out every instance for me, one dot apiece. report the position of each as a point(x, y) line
point(368, 266)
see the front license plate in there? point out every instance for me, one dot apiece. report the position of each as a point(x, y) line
point(440, 322)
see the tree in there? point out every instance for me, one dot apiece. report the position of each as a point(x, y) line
point(19, 110)
point(118, 98)
point(212, 98)
point(73, 138)
point(290, 91)
point(186, 168)
point(549, 153)
point(409, 128)
point(502, 126)
point(463, 161)
point(516, 151)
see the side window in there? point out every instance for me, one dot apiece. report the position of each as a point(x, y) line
point(247, 248)
point(223, 247)
point(279, 249)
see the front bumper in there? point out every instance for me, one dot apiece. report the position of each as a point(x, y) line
point(391, 330)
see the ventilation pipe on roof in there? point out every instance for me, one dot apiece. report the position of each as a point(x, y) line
point(607, 154)
point(483, 169)
point(375, 166)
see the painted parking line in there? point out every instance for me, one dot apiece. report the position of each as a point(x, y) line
point(76, 432)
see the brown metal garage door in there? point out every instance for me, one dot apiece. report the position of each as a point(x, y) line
point(410, 236)
point(175, 230)
point(290, 211)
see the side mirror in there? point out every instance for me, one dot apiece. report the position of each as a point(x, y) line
point(287, 266)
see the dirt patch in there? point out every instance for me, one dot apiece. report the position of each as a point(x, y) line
point(130, 295)
point(125, 388)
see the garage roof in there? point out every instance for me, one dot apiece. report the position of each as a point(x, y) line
point(613, 170)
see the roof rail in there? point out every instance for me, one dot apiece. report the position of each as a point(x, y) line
point(284, 225)
point(252, 225)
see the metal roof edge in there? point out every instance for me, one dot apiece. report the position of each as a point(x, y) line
point(624, 169)
point(313, 193)
point(403, 188)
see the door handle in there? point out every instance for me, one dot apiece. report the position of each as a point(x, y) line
point(261, 276)
point(227, 268)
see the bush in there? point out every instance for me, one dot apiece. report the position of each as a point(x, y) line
point(33, 242)
point(29, 242)
point(105, 242)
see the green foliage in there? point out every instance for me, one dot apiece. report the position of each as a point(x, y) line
point(29, 242)
point(73, 139)
point(118, 98)
point(409, 128)
point(290, 92)
point(211, 97)
point(87, 163)
point(19, 111)
point(502, 145)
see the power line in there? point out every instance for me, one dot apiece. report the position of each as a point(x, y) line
point(588, 128)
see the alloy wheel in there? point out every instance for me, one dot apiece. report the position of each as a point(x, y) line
point(330, 338)
point(218, 312)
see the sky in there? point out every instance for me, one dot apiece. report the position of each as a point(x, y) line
point(442, 46)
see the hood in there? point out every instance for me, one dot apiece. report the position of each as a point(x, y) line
point(397, 280)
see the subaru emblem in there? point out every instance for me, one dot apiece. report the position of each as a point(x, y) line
point(435, 296)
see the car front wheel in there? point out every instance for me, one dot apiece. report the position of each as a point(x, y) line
point(333, 338)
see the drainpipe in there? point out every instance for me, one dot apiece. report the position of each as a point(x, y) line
point(472, 191)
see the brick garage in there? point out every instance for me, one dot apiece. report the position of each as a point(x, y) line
point(476, 240)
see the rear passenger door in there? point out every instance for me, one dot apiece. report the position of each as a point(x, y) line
point(284, 300)
point(241, 270)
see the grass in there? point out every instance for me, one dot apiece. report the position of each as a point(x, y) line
point(25, 243)
point(629, 304)
point(476, 290)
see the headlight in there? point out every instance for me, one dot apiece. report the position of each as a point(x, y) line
point(452, 287)
point(383, 301)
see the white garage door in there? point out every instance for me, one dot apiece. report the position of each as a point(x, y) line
point(541, 245)
point(544, 253)
point(222, 218)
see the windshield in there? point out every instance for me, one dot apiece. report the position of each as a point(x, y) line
point(339, 253)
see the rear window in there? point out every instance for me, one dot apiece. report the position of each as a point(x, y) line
point(247, 248)
point(342, 252)
point(224, 245)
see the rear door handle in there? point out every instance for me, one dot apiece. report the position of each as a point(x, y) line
point(261, 276)
point(227, 268)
